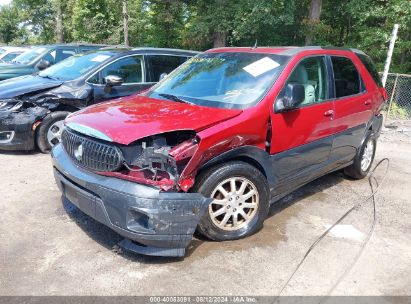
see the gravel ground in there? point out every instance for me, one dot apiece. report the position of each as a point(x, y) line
point(48, 248)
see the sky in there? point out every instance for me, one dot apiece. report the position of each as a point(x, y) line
point(2, 2)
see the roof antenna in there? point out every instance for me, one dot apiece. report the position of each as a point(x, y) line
point(255, 45)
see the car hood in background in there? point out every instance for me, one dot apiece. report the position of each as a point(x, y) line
point(18, 86)
point(131, 118)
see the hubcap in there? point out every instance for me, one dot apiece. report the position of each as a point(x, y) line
point(367, 155)
point(54, 133)
point(235, 203)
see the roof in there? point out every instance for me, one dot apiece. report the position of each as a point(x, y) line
point(165, 50)
point(14, 48)
point(283, 50)
point(118, 51)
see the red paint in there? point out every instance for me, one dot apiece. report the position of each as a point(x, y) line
point(129, 119)
point(219, 130)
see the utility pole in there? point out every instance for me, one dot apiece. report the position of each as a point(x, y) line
point(125, 23)
point(389, 55)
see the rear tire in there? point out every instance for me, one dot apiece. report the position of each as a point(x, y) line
point(49, 132)
point(241, 201)
point(364, 158)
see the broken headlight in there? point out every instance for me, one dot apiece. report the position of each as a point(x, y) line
point(10, 105)
point(160, 158)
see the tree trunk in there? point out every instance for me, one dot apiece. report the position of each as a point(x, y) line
point(220, 39)
point(313, 19)
point(59, 22)
point(125, 23)
point(220, 35)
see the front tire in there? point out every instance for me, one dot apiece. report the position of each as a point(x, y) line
point(364, 158)
point(49, 132)
point(241, 201)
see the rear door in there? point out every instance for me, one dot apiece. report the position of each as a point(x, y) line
point(130, 69)
point(302, 138)
point(353, 108)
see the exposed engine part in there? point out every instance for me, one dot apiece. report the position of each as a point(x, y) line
point(156, 159)
point(157, 155)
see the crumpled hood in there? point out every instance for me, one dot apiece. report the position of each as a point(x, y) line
point(129, 119)
point(15, 87)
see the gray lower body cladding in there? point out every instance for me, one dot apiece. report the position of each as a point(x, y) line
point(159, 223)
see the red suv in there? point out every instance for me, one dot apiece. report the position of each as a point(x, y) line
point(218, 140)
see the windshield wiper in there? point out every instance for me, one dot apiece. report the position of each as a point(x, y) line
point(174, 98)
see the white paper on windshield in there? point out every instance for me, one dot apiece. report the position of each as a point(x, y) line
point(261, 66)
point(100, 58)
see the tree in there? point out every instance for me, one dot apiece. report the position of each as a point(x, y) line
point(165, 23)
point(59, 20)
point(313, 20)
point(125, 22)
point(97, 21)
point(9, 24)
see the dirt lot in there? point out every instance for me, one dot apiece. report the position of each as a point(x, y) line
point(47, 248)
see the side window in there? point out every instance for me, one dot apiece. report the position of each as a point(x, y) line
point(161, 64)
point(347, 78)
point(369, 64)
point(62, 54)
point(10, 57)
point(129, 68)
point(50, 57)
point(311, 73)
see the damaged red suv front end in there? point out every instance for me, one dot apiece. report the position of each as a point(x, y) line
point(217, 140)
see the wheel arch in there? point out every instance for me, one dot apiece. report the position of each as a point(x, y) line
point(249, 154)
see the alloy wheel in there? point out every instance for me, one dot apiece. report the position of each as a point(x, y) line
point(235, 203)
point(54, 133)
point(367, 155)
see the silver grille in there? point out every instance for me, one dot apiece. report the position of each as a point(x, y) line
point(90, 153)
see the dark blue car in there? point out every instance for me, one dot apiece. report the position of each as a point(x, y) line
point(33, 108)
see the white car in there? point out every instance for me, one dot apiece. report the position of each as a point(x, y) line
point(8, 53)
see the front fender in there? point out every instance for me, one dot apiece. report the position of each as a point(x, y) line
point(257, 156)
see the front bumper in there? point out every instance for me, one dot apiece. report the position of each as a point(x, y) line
point(159, 223)
point(19, 126)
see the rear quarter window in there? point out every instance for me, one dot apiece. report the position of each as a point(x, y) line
point(369, 64)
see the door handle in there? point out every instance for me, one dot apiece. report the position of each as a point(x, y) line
point(329, 113)
point(367, 102)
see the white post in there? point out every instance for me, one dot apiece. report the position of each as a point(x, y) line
point(389, 55)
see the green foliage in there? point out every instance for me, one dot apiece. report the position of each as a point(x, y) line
point(398, 112)
point(201, 24)
point(9, 24)
point(96, 21)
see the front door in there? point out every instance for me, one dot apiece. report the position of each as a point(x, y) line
point(130, 69)
point(302, 138)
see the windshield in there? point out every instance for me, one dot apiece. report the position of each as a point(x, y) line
point(223, 80)
point(75, 66)
point(29, 56)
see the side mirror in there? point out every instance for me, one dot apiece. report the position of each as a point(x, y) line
point(163, 75)
point(43, 64)
point(112, 80)
point(293, 97)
